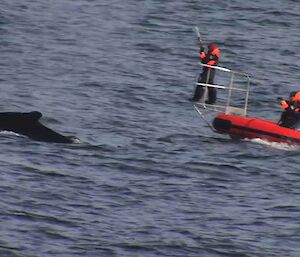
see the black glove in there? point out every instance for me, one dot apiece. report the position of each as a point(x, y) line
point(201, 49)
point(279, 99)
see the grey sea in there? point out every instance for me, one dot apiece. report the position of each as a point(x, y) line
point(148, 178)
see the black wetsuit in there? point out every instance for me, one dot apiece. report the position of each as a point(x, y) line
point(290, 116)
point(207, 76)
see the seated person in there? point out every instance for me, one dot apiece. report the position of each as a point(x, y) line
point(291, 114)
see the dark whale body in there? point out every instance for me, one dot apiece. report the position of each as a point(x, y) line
point(28, 124)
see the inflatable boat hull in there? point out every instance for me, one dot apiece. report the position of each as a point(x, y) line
point(247, 127)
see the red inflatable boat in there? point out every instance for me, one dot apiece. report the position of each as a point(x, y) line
point(245, 127)
point(231, 109)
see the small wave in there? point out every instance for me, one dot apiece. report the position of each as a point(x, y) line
point(276, 145)
point(75, 140)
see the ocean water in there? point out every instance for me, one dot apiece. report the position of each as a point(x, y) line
point(148, 178)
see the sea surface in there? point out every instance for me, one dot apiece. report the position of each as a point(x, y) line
point(148, 178)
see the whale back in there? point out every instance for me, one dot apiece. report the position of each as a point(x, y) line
point(28, 124)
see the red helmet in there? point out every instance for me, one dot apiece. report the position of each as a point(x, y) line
point(212, 46)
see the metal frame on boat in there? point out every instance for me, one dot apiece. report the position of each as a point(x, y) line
point(232, 82)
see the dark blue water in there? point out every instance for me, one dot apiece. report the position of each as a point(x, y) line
point(149, 178)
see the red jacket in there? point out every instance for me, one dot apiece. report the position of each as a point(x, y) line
point(290, 105)
point(211, 57)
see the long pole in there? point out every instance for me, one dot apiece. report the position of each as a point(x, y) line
point(198, 35)
point(202, 116)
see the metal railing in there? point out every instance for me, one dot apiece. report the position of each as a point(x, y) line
point(236, 82)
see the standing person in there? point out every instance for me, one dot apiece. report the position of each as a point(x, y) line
point(211, 57)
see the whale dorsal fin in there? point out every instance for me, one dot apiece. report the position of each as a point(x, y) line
point(34, 116)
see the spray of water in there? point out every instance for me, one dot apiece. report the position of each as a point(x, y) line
point(276, 145)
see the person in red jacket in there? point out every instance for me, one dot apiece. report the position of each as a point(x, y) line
point(211, 57)
point(291, 114)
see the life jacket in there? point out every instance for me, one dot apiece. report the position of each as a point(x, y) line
point(211, 57)
point(290, 105)
point(296, 97)
point(284, 104)
point(296, 102)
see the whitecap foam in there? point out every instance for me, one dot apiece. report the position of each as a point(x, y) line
point(5, 132)
point(276, 145)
